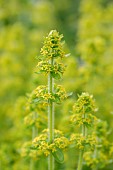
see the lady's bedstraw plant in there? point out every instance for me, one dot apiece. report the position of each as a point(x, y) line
point(52, 50)
point(101, 156)
point(50, 142)
point(83, 117)
point(34, 121)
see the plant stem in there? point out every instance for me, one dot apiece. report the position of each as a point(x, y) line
point(34, 130)
point(80, 161)
point(51, 117)
point(95, 155)
point(34, 134)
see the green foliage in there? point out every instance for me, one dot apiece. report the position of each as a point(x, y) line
point(48, 143)
point(42, 145)
point(84, 105)
point(87, 27)
point(100, 157)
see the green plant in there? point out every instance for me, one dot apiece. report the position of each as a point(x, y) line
point(52, 49)
point(100, 157)
point(83, 116)
point(50, 142)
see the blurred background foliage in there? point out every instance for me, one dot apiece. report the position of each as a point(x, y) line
point(87, 27)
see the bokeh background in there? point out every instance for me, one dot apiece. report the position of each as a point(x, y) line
point(87, 27)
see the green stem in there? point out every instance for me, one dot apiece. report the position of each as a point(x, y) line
point(80, 161)
point(51, 117)
point(34, 130)
point(95, 155)
point(34, 134)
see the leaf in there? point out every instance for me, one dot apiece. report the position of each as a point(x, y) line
point(58, 155)
point(67, 55)
point(33, 148)
point(39, 57)
point(37, 72)
point(36, 100)
point(69, 94)
point(56, 76)
point(36, 57)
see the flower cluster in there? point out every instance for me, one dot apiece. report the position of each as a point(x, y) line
point(26, 151)
point(95, 162)
point(35, 119)
point(60, 93)
point(88, 121)
point(53, 47)
point(52, 50)
point(41, 95)
point(61, 142)
point(101, 128)
point(28, 120)
point(41, 144)
point(84, 104)
point(80, 141)
point(56, 70)
point(34, 113)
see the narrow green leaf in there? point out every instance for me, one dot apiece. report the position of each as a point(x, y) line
point(69, 94)
point(56, 76)
point(67, 55)
point(58, 155)
point(36, 100)
point(37, 72)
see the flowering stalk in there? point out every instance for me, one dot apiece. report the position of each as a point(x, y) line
point(34, 134)
point(84, 130)
point(99, 153)
point(95, 155)
point(51, 116)
point(34, 129)
point(49, 64)
point(82, 117)
point(50, 142)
